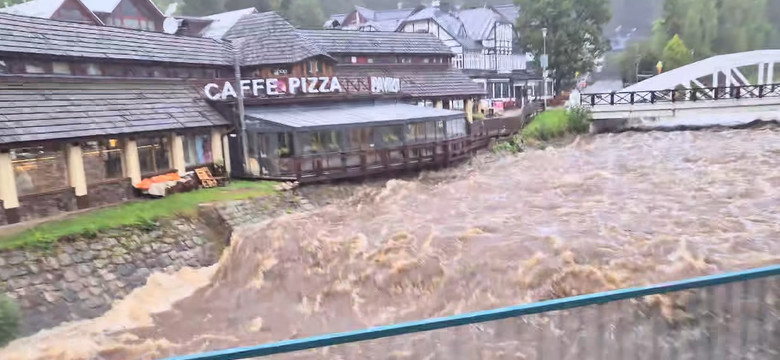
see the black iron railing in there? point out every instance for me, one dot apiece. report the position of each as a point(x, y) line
point(682, 95)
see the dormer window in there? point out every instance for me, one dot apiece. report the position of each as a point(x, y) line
point(313, 67)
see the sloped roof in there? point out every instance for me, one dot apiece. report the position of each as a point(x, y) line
point(384, 25)
point(510, 12)
point(35, 8)
point(29, 35)
point(358, 42)
point(429, 81)
point(267, 38)
point(479, 22)
point(446, 20)
point(314, 116)
point(222, 22)
point(32, 111)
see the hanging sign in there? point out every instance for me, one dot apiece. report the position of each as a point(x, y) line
point(385, 85)
point(273, 87)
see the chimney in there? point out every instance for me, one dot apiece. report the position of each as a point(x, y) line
point(400, 5)
point(435, 4)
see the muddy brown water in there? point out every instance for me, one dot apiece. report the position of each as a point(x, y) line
point(605, 212)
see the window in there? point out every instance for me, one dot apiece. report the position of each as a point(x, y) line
point(34, 68)
point(370, 60)
point(102, 160)
point(321, 142)
point(197, 150)
point(353, 60)
point(131, 23)
point(426, 60)
point(459, 61)
point(406, 60)
point(389, 136)
point(456, 128)
point(3, 67)
point(314, 67)
point(39, 169)
point(361, 139)
point(94, 69)
point(153, 154)
point(415, 133)
point(458, 104)
point(61, 68)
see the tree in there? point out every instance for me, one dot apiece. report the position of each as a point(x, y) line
point(304, 13)
point(202, 8)
point(676, 54)
point(575, 37)
point(639, 58)
point(743, 26)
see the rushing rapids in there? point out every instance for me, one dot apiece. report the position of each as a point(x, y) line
point(605, 212)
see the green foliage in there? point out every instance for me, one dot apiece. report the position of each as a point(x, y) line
point(710, 27)
point(556, 123)
point(638, 58)
point(142, 214)
point(575, 37)
point(513, 145)
point(9, 320)
point(676, 54)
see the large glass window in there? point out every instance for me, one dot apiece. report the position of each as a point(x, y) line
point(389, 136)
point(415, 133)
point(197, 150)
point(153, 154)
point(456, 128)
point(39, 169)
point(361, 139)
point(321, 142)
point(102, 160)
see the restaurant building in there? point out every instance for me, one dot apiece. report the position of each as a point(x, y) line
point(87, 111)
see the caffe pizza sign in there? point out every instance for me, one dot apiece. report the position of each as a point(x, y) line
point(273, 87)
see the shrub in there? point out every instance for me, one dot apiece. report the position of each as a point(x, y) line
point(513, 145)
point(9, 320)
point(556, 123)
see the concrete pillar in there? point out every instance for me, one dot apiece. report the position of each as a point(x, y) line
point(715, 79)
point(177, 154)
point(226, 152)
point(132, 164)
point(469, 105)
point(8, 188)
point(770, 73)
point(76, 176)
point(761, 74)
point(216, 146)
point(439, 104)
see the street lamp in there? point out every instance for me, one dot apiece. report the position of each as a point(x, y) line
point(545, 64)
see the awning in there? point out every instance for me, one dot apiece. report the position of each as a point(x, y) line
point(347, 114)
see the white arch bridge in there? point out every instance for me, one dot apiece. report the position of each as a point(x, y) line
point(725, 90)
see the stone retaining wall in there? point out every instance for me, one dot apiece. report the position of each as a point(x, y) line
point(81, 277)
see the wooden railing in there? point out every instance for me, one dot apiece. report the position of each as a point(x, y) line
point(681, 95)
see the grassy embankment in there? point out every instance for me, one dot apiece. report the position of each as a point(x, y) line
point(139, 214)
point(549, 125)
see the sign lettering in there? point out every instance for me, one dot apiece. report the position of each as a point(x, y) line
point(385, 85)
point(273, 87)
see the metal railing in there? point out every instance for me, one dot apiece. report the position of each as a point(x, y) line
point(682, 95)
point(725, 316)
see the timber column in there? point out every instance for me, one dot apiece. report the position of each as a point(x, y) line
point(132, 164)
point(76, 176)
point(8, 193)
point(470, 110)
point(216, 146)
point(177, 154)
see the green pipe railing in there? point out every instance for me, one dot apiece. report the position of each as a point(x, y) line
point(542, 307)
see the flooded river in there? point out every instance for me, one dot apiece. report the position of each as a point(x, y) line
point(606, 212)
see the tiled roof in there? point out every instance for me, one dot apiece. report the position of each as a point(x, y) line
point(40, 111)
point(222, 22)
point(35, 8)
point(28, 35)
point(479, 22)
point(267, 38)
point(419, 82)
point(359, 42)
